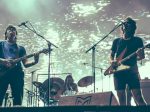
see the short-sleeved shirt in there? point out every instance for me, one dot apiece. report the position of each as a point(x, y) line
point(8, 51)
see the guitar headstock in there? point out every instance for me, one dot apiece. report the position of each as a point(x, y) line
point(147, 45)
point(45, 51)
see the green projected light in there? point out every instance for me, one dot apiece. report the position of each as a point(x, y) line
point(85, 9)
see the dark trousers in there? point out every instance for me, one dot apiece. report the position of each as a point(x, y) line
point(128, 96)
point(15, 79)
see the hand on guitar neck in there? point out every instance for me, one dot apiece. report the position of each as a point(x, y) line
point(140, 54)
point(36, 57)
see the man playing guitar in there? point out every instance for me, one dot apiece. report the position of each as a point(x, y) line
point(9, 50)
point(122, 48)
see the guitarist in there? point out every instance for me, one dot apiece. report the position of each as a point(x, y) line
point(121, 48)
point(9, 49)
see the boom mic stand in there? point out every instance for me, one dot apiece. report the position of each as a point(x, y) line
point(93, 48)
point(49, 48)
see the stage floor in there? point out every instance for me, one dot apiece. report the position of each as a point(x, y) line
point(78, 109)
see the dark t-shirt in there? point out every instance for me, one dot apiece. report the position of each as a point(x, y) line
point(21, 52)
point(132, 45)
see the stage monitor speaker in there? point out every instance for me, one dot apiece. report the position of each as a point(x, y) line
point(145, 86)
point(103, 99)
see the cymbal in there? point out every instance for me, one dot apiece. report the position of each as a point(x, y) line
point(86, 81)
point(37, 84)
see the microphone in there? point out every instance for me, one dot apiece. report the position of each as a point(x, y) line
point(85, 63)
point(23, 23)
point(122, 23)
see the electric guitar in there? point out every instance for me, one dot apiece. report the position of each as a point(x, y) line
point(118, 66)
point(4, 69)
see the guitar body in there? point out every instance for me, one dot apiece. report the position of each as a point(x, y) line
point(112, 69)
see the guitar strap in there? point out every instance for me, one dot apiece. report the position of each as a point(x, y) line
point(18, 51)
point(120, 57)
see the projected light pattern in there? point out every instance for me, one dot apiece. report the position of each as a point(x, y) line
point(74, 26)
point(85, 10)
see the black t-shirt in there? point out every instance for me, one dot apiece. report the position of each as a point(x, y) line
point(132, 45)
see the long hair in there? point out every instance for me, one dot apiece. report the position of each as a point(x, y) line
point(66, 81)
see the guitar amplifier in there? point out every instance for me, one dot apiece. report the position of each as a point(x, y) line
point(145, 86)
point(103, 99)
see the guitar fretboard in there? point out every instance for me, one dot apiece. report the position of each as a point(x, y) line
point(131, 55)
point(25, 57)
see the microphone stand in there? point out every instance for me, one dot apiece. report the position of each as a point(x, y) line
point(49, 48)
point(93, 48)
point(102, 79)
point(101, 71)
point(32, 73)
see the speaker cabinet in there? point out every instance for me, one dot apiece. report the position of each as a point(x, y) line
point(145, 86)
point(103, 99)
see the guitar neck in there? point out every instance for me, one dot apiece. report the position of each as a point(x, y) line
point(25, 57)
point(128, 57)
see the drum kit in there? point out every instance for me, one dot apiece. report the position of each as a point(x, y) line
point(56, 88)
